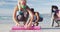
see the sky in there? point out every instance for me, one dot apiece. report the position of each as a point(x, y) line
point(41, 6)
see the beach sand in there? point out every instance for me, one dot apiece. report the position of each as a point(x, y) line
point(7, 28)
point(7, 23)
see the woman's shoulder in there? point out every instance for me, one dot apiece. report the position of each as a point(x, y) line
point(37, 13)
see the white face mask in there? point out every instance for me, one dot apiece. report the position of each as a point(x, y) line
point(54, 9)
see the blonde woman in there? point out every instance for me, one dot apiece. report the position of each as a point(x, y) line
point(23, 10)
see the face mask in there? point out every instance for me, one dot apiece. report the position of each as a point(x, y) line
point(22, 6)
point(54, 9)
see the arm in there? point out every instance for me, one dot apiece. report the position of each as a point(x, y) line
point(37, 16)
point(31, 18)
point(14, 14)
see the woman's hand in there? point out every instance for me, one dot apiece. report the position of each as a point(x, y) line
point(17, 24)
point(31, 18)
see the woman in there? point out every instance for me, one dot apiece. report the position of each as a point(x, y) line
point(36, 17)
point(55, 10)
point(23, 9)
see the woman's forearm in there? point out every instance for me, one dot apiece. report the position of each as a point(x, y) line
point(14, 15)
point(31, 18)
point(37, 17)
point(30, 22)
point(37, 20)
point(15, 20)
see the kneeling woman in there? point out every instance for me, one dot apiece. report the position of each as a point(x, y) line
point(36, 17)
point(22, 4)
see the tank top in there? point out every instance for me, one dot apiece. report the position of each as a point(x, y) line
point(35, 17)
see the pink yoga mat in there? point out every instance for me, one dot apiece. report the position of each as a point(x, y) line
point(22, 28)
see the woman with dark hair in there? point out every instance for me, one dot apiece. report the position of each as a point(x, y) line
point(55, 11)
point(36, 17)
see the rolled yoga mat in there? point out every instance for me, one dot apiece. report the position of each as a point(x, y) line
point(23, 28)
